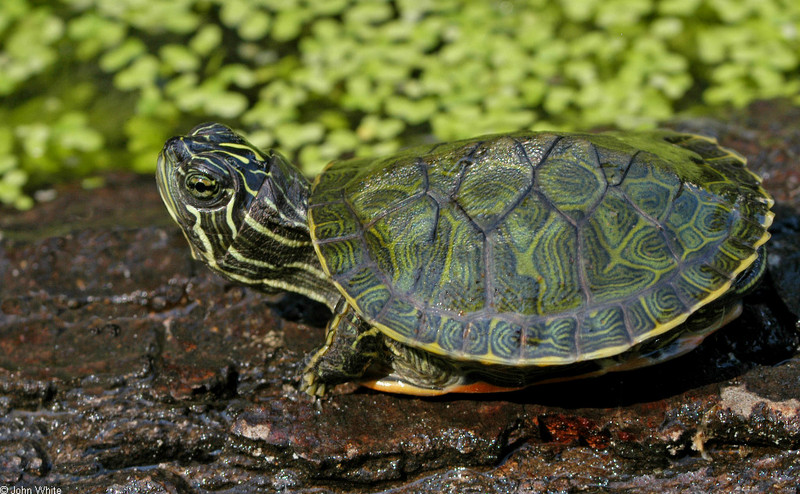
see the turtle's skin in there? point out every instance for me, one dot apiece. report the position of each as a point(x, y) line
point(486, 264)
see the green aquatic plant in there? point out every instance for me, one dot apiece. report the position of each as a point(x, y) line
point(92, 85)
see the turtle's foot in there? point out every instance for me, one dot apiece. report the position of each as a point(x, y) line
point(350, 347)
point(311, 383)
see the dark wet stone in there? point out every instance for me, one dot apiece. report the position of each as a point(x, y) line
point(126, 367)
point(784, 256)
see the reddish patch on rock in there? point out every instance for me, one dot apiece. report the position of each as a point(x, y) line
point(566, 429)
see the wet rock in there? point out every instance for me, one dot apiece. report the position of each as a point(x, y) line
point(126, 367)
point(784, 257)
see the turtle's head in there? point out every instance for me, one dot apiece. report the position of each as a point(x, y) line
point(242, 210)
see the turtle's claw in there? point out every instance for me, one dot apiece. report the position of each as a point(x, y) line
point(312, 385)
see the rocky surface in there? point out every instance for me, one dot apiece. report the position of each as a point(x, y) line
point(126, 367)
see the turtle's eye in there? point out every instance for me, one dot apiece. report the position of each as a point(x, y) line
point(202, 186)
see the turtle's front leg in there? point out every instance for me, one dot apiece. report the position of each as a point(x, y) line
point(351, 345)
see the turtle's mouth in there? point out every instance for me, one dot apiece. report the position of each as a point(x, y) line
point(165, 174)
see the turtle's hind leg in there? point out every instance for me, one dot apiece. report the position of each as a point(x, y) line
point(351, 345)
point(415, 372)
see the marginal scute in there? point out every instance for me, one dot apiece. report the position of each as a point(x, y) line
point(735, 249)
point(734, 169)
point(756, 210)
point(650, 313)
point(505, 339)
point(427, 331)
point(664, 305)
point(725, 261)
point(640, 322)
point(450, 331)
point(747, 231)
point(368, 290)
point(402, 316)
point(603, 328)
point(698, 281)
point(476, 340)
point(706, 148)
point(712, 153)
point(551, 340)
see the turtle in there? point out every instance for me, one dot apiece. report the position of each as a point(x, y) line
point(487, 264)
